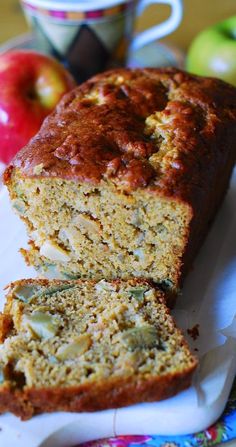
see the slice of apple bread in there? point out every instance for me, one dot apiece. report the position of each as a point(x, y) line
point(87, 346)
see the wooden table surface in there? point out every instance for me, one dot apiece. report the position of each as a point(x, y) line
point(198, 14)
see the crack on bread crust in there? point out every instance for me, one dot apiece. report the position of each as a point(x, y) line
point(124, 140)
point(104, 129)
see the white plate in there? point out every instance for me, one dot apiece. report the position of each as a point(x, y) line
point(208, 299)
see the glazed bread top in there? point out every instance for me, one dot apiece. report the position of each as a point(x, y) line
point(158, 128)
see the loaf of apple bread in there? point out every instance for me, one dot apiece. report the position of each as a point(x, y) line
point(87, 346)
point(126, 175)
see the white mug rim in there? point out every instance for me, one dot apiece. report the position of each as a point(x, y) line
point(74, 5)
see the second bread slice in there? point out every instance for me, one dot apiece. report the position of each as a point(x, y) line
point(87, 346)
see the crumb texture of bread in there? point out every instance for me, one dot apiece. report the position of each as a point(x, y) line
point(97, 232)
point(125, 177)
point(87, 346)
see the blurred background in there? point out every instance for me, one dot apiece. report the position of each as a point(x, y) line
point(198, 14)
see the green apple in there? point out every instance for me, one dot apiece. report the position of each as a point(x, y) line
point(213, 52)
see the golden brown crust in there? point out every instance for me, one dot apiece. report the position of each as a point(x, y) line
point(205, 212)
point(109, 394)
point(5, 326)
point(90, 142)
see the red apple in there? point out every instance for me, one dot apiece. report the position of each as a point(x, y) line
point(31, 85)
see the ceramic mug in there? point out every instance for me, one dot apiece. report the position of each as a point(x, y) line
point(92, 35)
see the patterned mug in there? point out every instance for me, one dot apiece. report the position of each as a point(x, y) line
point(92, 35)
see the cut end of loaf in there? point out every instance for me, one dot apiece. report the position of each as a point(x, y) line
point(88, 231)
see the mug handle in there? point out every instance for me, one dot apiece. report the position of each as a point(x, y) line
point(161, 30)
